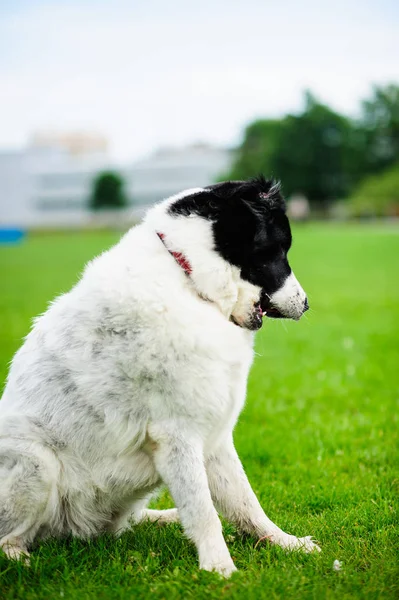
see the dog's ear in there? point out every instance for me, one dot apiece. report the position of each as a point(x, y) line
point(262, 197)
point(248, 208)
point(263, 194)
point(258, 219)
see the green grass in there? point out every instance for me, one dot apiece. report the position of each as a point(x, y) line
point(318, 437)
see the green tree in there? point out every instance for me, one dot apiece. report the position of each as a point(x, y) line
point(108, 191)
point(318, 153)
point(256, 152)
point(379, 124)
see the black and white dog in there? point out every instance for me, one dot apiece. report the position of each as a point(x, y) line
point(135, 378)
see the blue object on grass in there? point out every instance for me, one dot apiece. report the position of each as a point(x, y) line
point(11, 235)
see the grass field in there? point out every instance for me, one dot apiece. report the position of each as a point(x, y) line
point(319, 436)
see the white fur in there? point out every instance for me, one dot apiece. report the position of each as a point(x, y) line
point(133, 379)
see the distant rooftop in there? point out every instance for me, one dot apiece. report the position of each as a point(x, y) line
point(75, 143)
point(196, 147)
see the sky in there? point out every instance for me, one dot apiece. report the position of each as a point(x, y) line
point(154, 73)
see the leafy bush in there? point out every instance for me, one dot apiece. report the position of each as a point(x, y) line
point(108, 191)
point(377, 195)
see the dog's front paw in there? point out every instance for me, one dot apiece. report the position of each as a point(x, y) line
point(215, 556)
point(15, 551)
point(225, 568)
point(291, 543)
point(306, 544)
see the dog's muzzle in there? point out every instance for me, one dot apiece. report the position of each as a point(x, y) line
point(271, 310)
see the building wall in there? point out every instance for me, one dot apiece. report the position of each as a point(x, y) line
point(53, 188)
point(15, 188)
point(170, 171)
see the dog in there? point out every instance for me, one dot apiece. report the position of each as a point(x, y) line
point(135, 378)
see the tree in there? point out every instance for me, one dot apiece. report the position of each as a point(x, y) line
point(256, 152)
point(108, 191)
point(317, 153)
point(314, 153)
point(379, 125)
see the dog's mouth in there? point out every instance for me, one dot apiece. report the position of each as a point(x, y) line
point(268, 310)
point(274, 313)
point(261, 309)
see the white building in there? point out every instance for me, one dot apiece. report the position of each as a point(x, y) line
point(49, 183)
point(171, 170)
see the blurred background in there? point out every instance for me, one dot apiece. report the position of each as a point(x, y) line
point(109, 107)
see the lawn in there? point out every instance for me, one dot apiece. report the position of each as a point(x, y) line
point(319, 435)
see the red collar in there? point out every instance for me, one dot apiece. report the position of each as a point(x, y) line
point(178, 256)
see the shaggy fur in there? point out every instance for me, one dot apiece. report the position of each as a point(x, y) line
point(135, 378)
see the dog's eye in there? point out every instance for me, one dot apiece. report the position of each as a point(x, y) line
point(269, 252)
point(273, 253)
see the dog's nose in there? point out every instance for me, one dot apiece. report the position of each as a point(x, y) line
point(305, 305)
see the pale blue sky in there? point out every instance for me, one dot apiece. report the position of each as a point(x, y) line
point(153, 73)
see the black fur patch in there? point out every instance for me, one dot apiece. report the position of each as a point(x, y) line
point(250, 227)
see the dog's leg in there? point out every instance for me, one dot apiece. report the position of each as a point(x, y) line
point(237, 502)
point(25, 500)
point(124, 520)
point(170, 515)
point(178, 457)
point(14, 549)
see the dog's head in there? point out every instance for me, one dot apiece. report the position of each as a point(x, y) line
point(237, 236)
